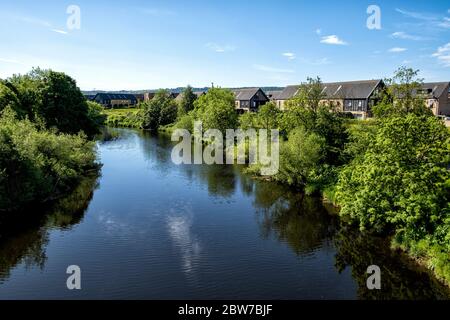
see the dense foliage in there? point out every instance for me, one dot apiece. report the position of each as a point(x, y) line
point(37, 164)
point(160, 111)
point(53, 98)
point(186, 103)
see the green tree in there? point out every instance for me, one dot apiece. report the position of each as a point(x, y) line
point(268, 116)
point(216, 110)
point(402, 181)
point(160, 111)
point(187, 101)
point(54, 98)
point(402, 95)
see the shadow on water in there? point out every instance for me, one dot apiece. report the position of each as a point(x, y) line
point(302, 223)
point(24, 239)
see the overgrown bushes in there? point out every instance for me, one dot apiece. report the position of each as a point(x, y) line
point(38, 165)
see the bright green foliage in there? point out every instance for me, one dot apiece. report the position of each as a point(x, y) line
point(268, 116)
point(302, 161)
point(248, 120)
point(128, 118)
point(38, 165)
point(216, 110)
point(186, 122)
point(402, 95)
point(160, 111)
point(53, 97)
point(305, 110)
point(186, 104)
point(402, 181)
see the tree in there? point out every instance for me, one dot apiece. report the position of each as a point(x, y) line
point(216, 110)
point(54, 98)
point(187, 101)
point(402, 95)
point(268, 116)
point(308, 110)
point(402, 181)
point(160, 111)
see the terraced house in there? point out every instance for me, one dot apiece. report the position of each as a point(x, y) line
point(437, 97)
point(111, 100)
point(355, 97)
point(249, 99)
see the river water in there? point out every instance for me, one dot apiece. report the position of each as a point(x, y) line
point(148, 229)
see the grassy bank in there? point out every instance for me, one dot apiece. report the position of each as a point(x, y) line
point(127, 118)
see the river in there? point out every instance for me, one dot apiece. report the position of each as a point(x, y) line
point(148, 229)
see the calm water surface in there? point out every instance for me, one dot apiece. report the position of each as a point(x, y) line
point(148, 229)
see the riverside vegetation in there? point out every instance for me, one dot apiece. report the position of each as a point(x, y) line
point(46, 127)
point(388, 176)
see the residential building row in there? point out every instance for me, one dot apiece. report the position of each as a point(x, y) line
point(355, 97)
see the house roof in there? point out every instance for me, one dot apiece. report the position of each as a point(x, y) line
point(246, 94)
point(115, 96)
point(197, 93)
point(338, 90)
point(436, 89)
point(273, 94)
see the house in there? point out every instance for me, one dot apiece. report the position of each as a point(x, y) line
point(273, 94)
point(139, 97)
point(249, 99)
point(148, 96)
point(437, 97)
point(355, 97)
point(89, 97)
point(197, 93)
point(111, 100)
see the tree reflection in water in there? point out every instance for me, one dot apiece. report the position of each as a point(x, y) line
point(27, 240)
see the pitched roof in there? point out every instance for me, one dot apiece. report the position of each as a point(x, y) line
point(273, 94)
point(338, 90)
point(115, 96)
point(436, 89)
point(246, 94)
point(197, 93)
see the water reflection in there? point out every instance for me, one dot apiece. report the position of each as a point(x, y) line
point(152, 220)
point(25, 241)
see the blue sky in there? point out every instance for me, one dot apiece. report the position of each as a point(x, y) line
point(151, 44)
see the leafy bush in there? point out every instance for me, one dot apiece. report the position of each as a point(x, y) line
point(160, 111)
point(38, 165)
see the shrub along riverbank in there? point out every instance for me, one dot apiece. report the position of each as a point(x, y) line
point(45, 129)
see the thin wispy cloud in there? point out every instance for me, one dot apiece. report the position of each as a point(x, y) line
point(220, 48)
point(397, 50)
point(10, 61)
point(443, 55)
point(32, 20)
point(406, 36)
point(289, 55)
point(434, 20)
point(271, 69)
point(59, 31)
point(333, 40)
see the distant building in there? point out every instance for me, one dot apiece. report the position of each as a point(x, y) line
point(249, 99)
point(437, 97)
point(89, 97)
point(273, 94)
point(148, 96)
point(197, 94)
point(355, 97)
point(139, 97)
point(111, 100)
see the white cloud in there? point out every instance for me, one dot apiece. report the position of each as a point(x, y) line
point(271, 69)
point(333, 39)
point(220, 48)
point(443, 55)
point(59, 31)
point(397, 50)
point(405, 36)
point(289, 55)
